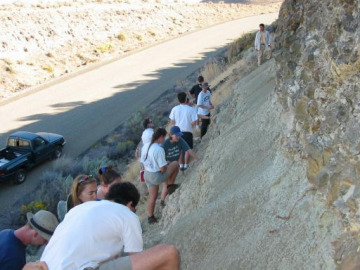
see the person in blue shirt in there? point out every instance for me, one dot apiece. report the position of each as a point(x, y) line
point(175, 146)
point(37, 231)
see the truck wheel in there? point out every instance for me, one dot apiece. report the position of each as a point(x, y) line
point(20, 176)
point(58, 152)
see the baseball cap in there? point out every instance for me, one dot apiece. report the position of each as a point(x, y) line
point(176, 131)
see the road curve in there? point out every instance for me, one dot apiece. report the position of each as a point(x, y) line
point(87, 107)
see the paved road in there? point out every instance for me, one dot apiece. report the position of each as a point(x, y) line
point(87, 107)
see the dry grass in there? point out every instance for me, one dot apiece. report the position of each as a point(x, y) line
point(211, 70)
point(132, 172)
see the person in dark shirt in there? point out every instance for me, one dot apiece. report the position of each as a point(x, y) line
point(196, 89)
point(175, 145)
point(36, 232)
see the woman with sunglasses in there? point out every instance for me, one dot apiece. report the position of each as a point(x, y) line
point(83, 189)
point(108, 176)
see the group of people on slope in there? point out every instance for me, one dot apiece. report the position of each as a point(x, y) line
point(93, 233)
point(163, 157)
point(98, 223)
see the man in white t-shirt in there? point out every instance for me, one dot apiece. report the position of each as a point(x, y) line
point(185, 117)
point(93, 234)
point(204, 106)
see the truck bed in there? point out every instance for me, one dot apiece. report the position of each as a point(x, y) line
point(7, 155)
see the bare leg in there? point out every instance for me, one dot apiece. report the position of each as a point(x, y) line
point(187, 157)
point(162, 257)
point(172, 170)
point(153, 192)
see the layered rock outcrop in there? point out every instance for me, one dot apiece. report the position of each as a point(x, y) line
point(318, 85)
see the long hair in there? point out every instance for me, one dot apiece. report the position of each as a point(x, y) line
point(156, 135)
point(78, 186)
point(108, 175)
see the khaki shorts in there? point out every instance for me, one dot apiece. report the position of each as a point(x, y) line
point(122, 263)
point(153, 179)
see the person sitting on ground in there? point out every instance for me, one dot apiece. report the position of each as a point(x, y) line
point(204, 106)
point(157, 171)
point(175, 146)
point(37, 231)
point(185, 118)
point(83, 189)
point(196, 89)
point(81, 243)
point(108, 176)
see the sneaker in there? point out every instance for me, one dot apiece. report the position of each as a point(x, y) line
point(162, 203)
point(186, 166)
point(152, 219)
point(182, 167)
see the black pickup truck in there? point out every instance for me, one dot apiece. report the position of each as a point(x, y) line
point(25, 150)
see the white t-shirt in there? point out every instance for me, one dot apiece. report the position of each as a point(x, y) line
point(205, 100)
point(155, 158)
point(147, 135)
point(91, 233)
point(183, 115)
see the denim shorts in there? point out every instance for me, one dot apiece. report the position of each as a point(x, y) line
point(153, 179)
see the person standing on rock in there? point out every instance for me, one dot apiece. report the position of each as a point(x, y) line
point(37, 231)
point(204, 106)
point(185, 117)
point(196, 89)
point(262, 43)
point(157, 171)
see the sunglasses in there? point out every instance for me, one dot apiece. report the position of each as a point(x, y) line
point(85, 178)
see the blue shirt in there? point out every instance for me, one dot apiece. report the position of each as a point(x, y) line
point(12, 251)
point(173, 149)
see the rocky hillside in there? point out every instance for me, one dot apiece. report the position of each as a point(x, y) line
point(278, 185)
point(319, 89)
point(42, 39)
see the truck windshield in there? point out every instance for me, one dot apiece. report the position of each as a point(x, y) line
point(16, 142)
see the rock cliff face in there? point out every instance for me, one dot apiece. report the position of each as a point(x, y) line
point(318, 85)
point(278, 186)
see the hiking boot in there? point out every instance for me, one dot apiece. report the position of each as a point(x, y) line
point(162, 203)
point(152, 219)
point(171, 188)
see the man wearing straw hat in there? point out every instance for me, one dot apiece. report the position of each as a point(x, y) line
point(36, 232)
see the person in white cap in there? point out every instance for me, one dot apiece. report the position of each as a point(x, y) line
point(37, 231)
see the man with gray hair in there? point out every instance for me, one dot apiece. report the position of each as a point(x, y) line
point(262, 43)
point(37, 231)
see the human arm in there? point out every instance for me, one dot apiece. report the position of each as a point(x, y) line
point(35, 266)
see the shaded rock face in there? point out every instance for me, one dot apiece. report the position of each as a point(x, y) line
point(318, 85)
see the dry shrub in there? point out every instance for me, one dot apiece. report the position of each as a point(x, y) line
point(132, 172)
point(121, 37)
point(211, 70)
point(237, 47)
